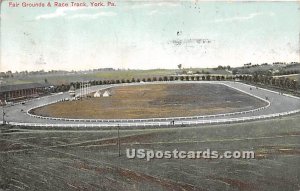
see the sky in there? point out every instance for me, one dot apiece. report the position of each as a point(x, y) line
point(148, 35)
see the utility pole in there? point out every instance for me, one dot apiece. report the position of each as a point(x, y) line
point(3, 115)
point(119, 144)
point(3, 111)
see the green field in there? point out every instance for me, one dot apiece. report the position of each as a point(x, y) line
point(58, 79)
point(44, 159)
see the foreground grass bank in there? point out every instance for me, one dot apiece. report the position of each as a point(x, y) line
point(34, 159)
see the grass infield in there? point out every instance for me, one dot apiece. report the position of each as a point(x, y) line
point(155, 100)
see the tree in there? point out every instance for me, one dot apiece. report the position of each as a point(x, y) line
point(294, 85)
point(234, 71)
point(179, 66)
point(220, 67)
point(273, 81)
point(77, 86)
point(287, 83)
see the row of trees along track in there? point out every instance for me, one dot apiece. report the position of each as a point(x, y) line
point(282, 83)
point(66, 87)
point(154, 79)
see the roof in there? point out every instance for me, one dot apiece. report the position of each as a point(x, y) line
point(72, 88)
point(106, 93)
point(7, 88)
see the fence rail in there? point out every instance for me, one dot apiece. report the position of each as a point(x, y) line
point(158, 123)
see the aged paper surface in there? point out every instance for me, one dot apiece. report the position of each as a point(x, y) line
point(149, 95)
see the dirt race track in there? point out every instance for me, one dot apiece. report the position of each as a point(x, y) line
point(279, 105)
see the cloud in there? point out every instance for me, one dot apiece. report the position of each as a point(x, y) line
point(57, 13)
point(141, 4)
point(60, 12)
point(242, 18)
point(92, 16)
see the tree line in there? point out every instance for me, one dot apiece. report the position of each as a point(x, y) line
point(280, 82)
point(76, 85)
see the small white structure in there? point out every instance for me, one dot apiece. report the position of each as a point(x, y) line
point(97, 94)
point(190, 72)
point(72, 91)
point(106, 94)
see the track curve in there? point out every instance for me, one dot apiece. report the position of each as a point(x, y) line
point(277, 105)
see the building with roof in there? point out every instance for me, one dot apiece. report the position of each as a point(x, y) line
point(21, 91)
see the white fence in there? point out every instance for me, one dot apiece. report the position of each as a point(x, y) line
point(157, 123)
